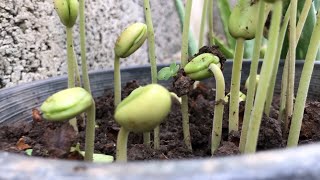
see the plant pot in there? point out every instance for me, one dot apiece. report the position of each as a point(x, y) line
point(17, 102)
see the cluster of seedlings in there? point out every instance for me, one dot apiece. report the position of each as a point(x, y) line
point(146, 107)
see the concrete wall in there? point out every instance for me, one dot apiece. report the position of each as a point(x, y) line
point(32, 39)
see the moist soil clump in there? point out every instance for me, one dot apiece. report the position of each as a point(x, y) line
point(54, 140)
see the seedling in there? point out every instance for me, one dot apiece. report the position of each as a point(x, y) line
point(143, 110)
point(242, 26)
point(204, 66)
point(127, 43)
point(67, 104)
point(68, 12)
point(167, 72)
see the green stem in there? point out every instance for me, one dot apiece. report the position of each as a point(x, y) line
point(90, 132)
point(304, 86)
point(203, 22)
point(71, 77)
point(218, 109)
point(152, 57)
point(252, 76)
point(265, 77)
point(210, 19)
point(77, 74)
point(184, 61)
point(235, 86)
point(282, 34)
point(291, 65)
point(117, 81)
point(283, 94)
point(85, 75)
point(185, 122)
point(192, 46)
point(300, 25)
point(156, 138)
point(122, 142)
point(146, 139)
point(71, 69)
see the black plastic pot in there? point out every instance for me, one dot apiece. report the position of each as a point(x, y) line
point(16, 104)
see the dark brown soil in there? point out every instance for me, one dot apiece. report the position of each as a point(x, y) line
point(54, 140)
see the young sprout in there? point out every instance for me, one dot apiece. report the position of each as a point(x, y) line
point(204, 66)
point(67, 104)
point(67, 11)
point(127, 43)
point(242, 26)
point(143, 110)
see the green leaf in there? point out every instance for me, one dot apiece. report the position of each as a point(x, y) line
point(227, 51)
point(224, 12)
point(29, 152)
point(164, 73)
point(174, 68)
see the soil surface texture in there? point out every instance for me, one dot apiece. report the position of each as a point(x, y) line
point(54, 140)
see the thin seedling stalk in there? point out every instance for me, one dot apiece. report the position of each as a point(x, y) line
point(291, 64)
point(284, 83)
point(184, 61)
point(252, 75)
point(265, 77)
point(152, 57)
point(218, 109)
point(282, 34)
point(235, 86)
point(122, 141)
point(91, 112)
point(203, 22)
point(210, 19)
point(117, 81)
point(71, 69)
point(304, 84)
point(90, 132)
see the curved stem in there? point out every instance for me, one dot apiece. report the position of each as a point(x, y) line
point(117, 81)
point(282, 34)
point(85, 75)
point(210, 19)
point(304, 83)
point(235, 86)
point(252, 76)
point(218, 109)
point(90, 132)
point(203, 22)
point(265, 77)
point(122, 142)
point(184, 61)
